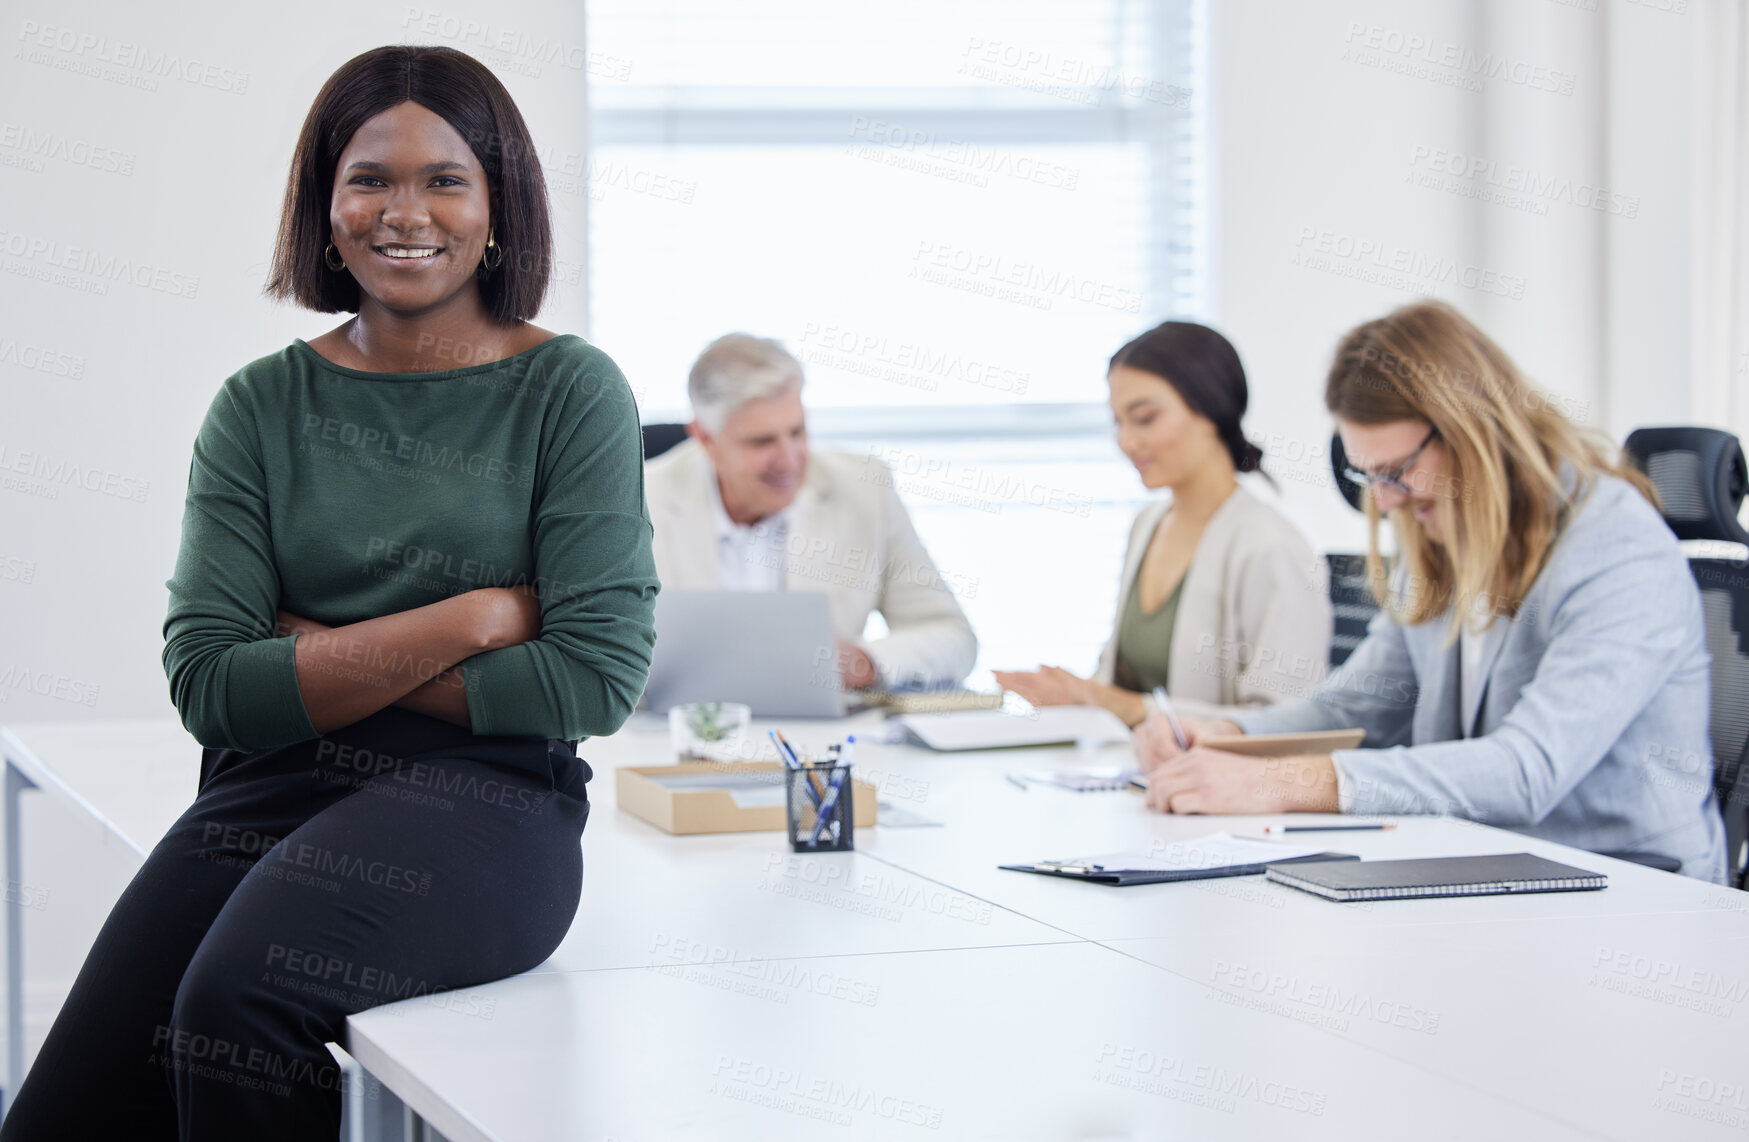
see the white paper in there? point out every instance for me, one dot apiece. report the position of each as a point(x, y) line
point(768, 798)
point(998, 729)
point(1217, 850)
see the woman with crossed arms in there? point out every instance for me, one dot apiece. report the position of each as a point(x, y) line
point(1541, 645)
point(390, 803)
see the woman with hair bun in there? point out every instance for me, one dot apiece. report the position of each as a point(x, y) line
point(415, 570)
point(1221, 600)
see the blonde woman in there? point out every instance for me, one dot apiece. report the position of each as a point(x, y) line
point(1541, 646)
point(1221, 600)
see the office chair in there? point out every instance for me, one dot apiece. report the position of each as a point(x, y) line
point(659, 438)
point(1351, 491)
point(1701, 480)
point(1351, 599)
point(1351, 603)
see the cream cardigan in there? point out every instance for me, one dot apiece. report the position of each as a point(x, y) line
point(1254, 619)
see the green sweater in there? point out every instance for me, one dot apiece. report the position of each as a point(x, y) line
point(343, 495)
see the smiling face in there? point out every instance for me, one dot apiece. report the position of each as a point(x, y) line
point(1382, 447)
point(760, 455)
point(410, 211)
point(1162, 437)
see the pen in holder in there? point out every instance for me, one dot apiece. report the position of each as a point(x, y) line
point(821, 817)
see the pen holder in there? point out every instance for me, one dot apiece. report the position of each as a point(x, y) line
point(822, 818)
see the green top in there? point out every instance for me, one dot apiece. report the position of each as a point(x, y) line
point(1144, 641)
point(342, 495)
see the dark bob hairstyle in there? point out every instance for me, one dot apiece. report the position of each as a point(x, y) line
point(1204, 368)
point(469, 97)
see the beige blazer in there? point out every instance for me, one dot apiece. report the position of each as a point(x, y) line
point(849, 537)
point(1254, 619)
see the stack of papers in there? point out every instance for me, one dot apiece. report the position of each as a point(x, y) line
point(761, 789)
point(998, 729)
point(1084, 780)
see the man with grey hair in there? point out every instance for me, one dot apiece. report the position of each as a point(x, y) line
point(746, 505)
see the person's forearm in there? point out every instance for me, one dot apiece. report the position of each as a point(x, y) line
point(350, 672)
point(1307, 784)
point(1128, 705)
point(444, 698)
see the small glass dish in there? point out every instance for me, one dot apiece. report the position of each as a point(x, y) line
point(711, 731)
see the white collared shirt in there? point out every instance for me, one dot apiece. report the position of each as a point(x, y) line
point(1473, 643)
point(749, 556)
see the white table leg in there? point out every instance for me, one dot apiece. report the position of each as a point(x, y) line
point(10, 870)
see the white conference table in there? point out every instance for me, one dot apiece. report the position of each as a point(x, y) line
point(721, 987)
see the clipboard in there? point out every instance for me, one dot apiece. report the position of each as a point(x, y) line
point(1284, 745)
point(1202, 858)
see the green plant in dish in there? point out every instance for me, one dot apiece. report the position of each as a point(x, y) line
point(706, 723)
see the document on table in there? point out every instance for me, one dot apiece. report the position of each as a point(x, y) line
point(1083, 780)
point(1218, 854)
point(760, 790)
point(998, 729)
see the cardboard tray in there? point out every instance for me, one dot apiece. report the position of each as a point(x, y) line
point(684, 811)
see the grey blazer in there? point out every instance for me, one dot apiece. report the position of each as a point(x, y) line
point(1589, 722)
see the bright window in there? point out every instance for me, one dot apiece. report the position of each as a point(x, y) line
point(952, 212)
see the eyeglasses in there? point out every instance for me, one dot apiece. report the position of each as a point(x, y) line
point(1391, 477)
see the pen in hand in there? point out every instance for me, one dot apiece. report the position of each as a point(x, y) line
point(1164, 705)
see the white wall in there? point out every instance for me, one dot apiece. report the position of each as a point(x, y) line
point(135, 145)
point(1331, 115)
point(1324, 115)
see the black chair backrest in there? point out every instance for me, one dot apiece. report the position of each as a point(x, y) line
point(1351, 491)
point(1350, 598)
point(659, 438)
point(1352, 602)
point(1724, 595)
point(1700, 476)
point(1701, 481)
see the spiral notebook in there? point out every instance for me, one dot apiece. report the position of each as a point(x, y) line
point(1492, 875)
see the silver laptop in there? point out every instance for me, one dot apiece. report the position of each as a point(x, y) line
point(773, 650)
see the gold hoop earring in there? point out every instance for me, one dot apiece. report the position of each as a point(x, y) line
point(492, 248)
point(332, 259)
